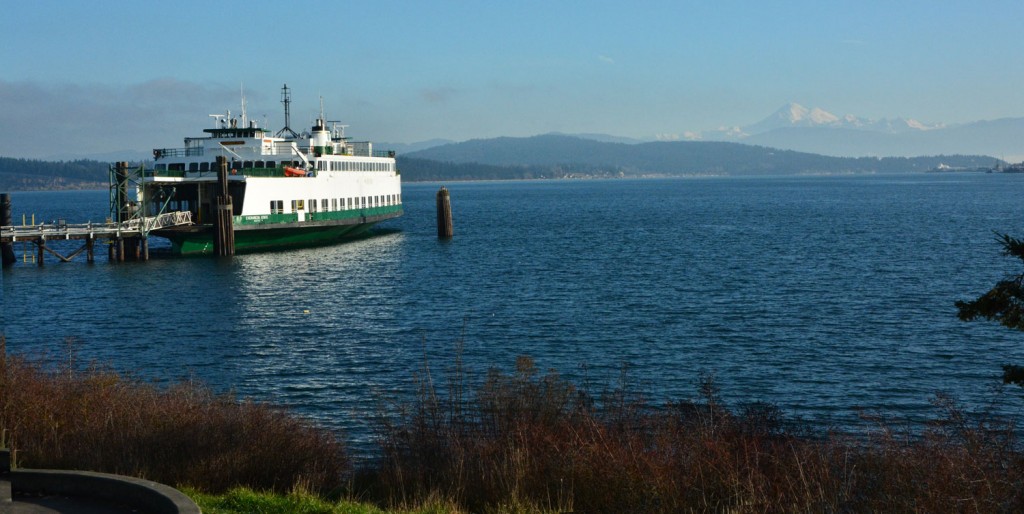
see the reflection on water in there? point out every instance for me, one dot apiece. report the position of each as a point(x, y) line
point(324, 322)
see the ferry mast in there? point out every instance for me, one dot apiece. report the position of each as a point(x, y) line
point(286, 99)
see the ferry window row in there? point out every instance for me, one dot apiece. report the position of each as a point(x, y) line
point(354, 166)
point(336, 204)
point(212, 166)
point(248, 165)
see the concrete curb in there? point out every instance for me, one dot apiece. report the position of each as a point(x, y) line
point(144, 495)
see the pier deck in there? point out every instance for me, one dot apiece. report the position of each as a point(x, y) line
point(57, 231)
point(134, 232)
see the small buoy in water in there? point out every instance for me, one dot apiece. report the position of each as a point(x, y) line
point(305, 311)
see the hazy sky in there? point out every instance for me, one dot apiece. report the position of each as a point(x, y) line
point(95, 77)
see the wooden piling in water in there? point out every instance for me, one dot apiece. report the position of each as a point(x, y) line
point(224, 222)
point(444, 214)
point(7, 257)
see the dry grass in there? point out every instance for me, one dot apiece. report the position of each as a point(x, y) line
point(528, 442)
point(92, 418)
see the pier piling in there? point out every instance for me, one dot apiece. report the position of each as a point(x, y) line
point(444, 214)
point(7, 256)
point(224, 238)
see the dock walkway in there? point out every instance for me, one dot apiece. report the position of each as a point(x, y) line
point(134, 231)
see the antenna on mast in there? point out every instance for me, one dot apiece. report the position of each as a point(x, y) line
point(286, 99)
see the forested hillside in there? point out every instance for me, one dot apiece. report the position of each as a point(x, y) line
point(29, 174)
point(423, 170)
point(554, 154)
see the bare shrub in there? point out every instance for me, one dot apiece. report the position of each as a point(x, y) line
point(535, 440)
point(93, 418)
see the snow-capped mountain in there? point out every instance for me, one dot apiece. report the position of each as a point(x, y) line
point(794, 115)
point(815, 130)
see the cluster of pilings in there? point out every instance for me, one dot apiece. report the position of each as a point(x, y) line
point(224, 223)
point(6, 249)
point(127, 249)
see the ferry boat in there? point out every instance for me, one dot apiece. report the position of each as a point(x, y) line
point(287, 189)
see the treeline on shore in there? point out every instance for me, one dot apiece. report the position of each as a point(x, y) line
point(518, 441)
point(32, 174)
point(674, 158)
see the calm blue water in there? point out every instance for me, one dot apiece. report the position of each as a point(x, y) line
point(828, 295)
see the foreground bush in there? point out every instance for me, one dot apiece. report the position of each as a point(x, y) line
point(528, 442)
point(520, 442)
point(99, 420)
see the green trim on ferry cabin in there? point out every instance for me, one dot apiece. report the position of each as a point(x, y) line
point(291, 217)
point(353, 213)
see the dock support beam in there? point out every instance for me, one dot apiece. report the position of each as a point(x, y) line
point(7, 256)
point(224, 223)
point(444, 214)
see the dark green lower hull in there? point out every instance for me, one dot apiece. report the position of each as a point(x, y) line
point(196, 240)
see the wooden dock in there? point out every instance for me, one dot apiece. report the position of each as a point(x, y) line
point(127, 240)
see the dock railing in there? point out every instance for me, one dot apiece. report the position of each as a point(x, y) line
point(62, 230)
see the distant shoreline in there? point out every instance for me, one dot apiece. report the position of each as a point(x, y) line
point(99, 186)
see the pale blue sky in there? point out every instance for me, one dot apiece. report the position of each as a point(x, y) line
point(96, 77)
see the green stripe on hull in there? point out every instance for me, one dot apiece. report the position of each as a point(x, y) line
point(250, 238)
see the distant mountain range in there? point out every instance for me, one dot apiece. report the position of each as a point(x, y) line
point(794, 140)
point(791, 127)
point(815, 130)
point(406, 148)
point(561, 156)
point(794, 127)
